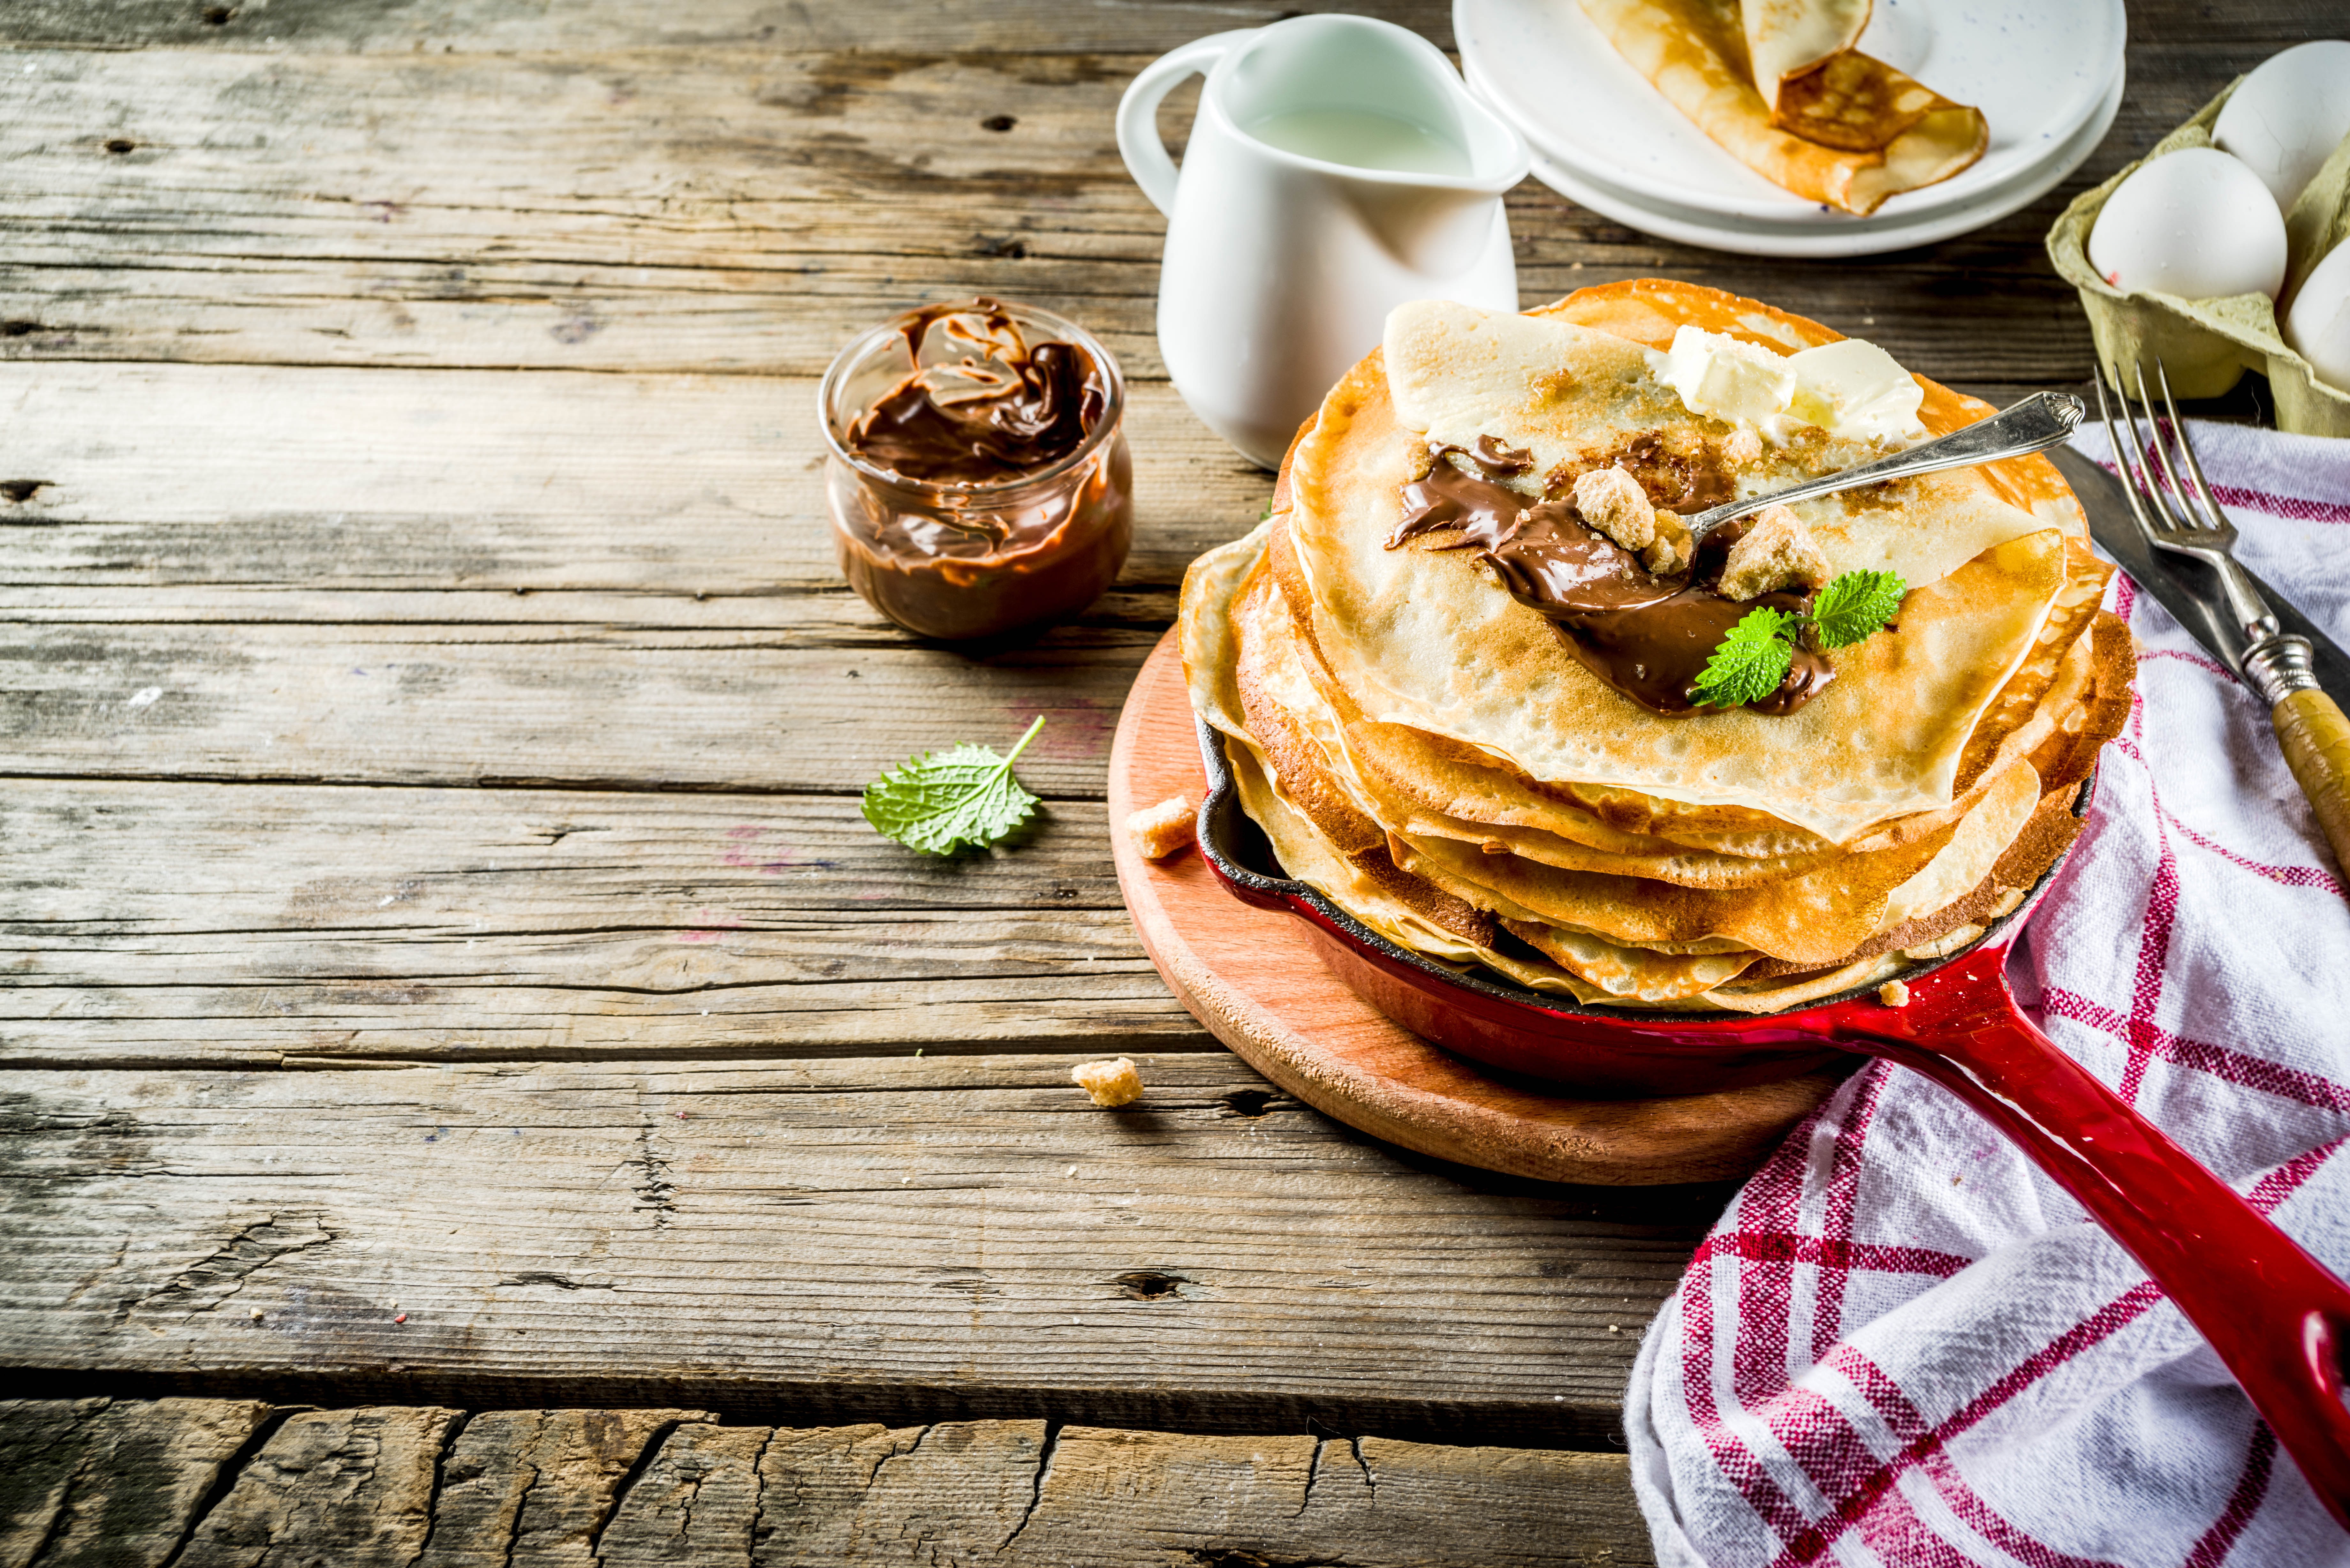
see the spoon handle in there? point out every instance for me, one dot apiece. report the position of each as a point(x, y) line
point(2040, 422)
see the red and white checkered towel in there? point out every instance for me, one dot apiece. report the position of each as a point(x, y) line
point(1903, 1345)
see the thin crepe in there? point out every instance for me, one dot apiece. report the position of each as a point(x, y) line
point(1843, 129)
point(1392, 901)
point(1424, 637)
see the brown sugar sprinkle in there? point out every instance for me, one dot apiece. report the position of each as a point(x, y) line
point(1679, 469)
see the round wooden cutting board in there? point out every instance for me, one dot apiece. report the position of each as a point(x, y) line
point(1252, 977)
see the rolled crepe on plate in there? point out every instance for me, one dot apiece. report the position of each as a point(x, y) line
point(1780, 86)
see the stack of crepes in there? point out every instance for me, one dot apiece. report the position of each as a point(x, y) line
point(1783, 86)
point(1430, 753)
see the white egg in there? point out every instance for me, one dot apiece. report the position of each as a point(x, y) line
point(2196, 224)
point(2289, 115)
point(2318, 325)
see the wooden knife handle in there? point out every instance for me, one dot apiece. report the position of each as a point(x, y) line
point(2316, 741)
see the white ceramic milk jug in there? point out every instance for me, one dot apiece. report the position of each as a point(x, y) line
point(1337, 168)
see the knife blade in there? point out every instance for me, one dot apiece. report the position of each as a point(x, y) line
point(2188, 588)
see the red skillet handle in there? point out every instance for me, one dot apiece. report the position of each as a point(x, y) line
point(2278, 1317)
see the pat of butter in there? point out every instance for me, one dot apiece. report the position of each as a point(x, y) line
point(1718, 375)
point(1856, 390)
point(1850, 388)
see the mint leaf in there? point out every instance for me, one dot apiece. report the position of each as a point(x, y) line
point(1856, 606)
point(1750, 663)
point(940, 804)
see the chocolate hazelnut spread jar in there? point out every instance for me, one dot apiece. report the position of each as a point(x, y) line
point(978, 478)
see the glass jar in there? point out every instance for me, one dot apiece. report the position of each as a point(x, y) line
point(975, 558)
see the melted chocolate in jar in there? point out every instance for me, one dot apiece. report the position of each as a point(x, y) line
point(1646, 635)
point(1019, 409)
point(958, 550)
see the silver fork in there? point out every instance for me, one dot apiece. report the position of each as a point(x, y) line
point(2179, 515)
point(2189, 522)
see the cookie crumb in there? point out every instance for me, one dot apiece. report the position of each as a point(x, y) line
point(1893, 993)
point(1164, 829)
point(1672, 550)
point(1612, 502)
point(1111, 1083)
point(1743, 448)
point(1776, 552)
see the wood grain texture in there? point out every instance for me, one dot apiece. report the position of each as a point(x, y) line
point(714, 207)
point(598, 708)
point(429, 26)
point(1255, 979)
point(696, 1504)
point(465, 347)
point(2315, 739)
point(92, 1482)
point(537, 1489)
point(858, 1240)
point(170, 492)
point(574, 1488)
point(1370, 1500)
point(350, 1487)
point(189, 925)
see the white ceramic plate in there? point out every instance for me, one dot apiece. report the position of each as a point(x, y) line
point(1851, 237)
point(2039, 70)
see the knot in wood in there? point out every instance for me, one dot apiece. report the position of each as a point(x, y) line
point(1148, 1284)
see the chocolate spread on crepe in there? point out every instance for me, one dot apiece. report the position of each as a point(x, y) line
point(1779, 84)
point(1649, 636)
point(1021, 409)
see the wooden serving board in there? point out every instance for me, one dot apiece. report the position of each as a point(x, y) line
point(1254, 978)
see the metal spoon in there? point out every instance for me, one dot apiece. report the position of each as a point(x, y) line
point(2040, 422)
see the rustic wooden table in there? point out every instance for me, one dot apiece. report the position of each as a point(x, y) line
point(449, 983)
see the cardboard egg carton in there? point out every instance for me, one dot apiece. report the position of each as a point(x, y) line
point(2207, 345)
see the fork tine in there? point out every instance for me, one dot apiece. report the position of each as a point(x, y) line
point(2131, 483)
point(2212, 517)
point(2175, 504)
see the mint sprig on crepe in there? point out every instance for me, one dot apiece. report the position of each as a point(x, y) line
point(1749, 662)
point(1855, 606)
point(941, 804)
point(1753, 658)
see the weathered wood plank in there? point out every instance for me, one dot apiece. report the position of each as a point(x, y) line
point(689, 501)
point(353, 1487)
point(821, 698)
point(535, 1488)
point(575, 1488)
point(696, 1504)
point(867, 1240)
point(172, 924)
point(725, 209)
point(960, 1490)
point(87, 1482)
point(582, 708)
point(1370, 1501)
point(498, 26)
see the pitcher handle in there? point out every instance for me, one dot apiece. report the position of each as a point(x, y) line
point(1137, 112)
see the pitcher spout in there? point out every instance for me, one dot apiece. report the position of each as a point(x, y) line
point(1436, 231)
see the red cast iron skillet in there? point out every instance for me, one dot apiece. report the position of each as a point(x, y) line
point(2278, 1317)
